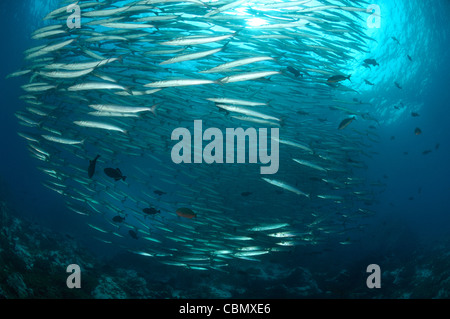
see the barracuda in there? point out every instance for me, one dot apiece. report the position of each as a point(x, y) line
point(237, 63)
point(96, 86)
point(189, 57)
point(247, 76)
point(196, 41)
point(236, 101)
point(117, 88)
point(49, 49)
point(309, 164)
point(66, 75)
point(100, 125)
point(248, 112)
point(81, 66)
point(122, 109)
point(177, 83)
point(269, 227)
point(285, 186)
point(61, 140)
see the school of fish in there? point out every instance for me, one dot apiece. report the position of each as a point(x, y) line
point(101, 102)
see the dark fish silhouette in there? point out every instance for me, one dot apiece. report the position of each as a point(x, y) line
point(158, 192)
point(369, 62)
point(418, 131)
point(426, 152)
point(186, 213)
point(246, 193)
point(368, 82)
point(115, 173)
point(294, 71)
point(409, 58)
point(338, 78)
point(437, 146)
point(133, 234)
point(151, 211)
point(395, 39)
point(302, 112)
point(414, 114)
point(118, 219)
point(91, 169)
point(398, 85)
point(346, 123)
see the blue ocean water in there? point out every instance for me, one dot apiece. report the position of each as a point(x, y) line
point(411, 204)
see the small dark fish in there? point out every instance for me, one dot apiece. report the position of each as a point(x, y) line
point(395, 39)
point(392, 138)
point(338, 78)
point(322, 120)
point(151, 211)
point(409, 58)
point(417, 131)
point(246, 193)
point(115, 173)
point(405, 153)
point(158, 192)
point(419, 190)
point(186, 213)
point(345, 123)
point(396, 107)
point(368, 82)
point(294, 71)
point(437, 146)
point(411, 198)
point(118, 219)
point(91, 169)
point(302, 113)
point(398, 85)
point(133, 234)
point(372, 62)
point(414, 114)
point(372, 127)
point(426, 152)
